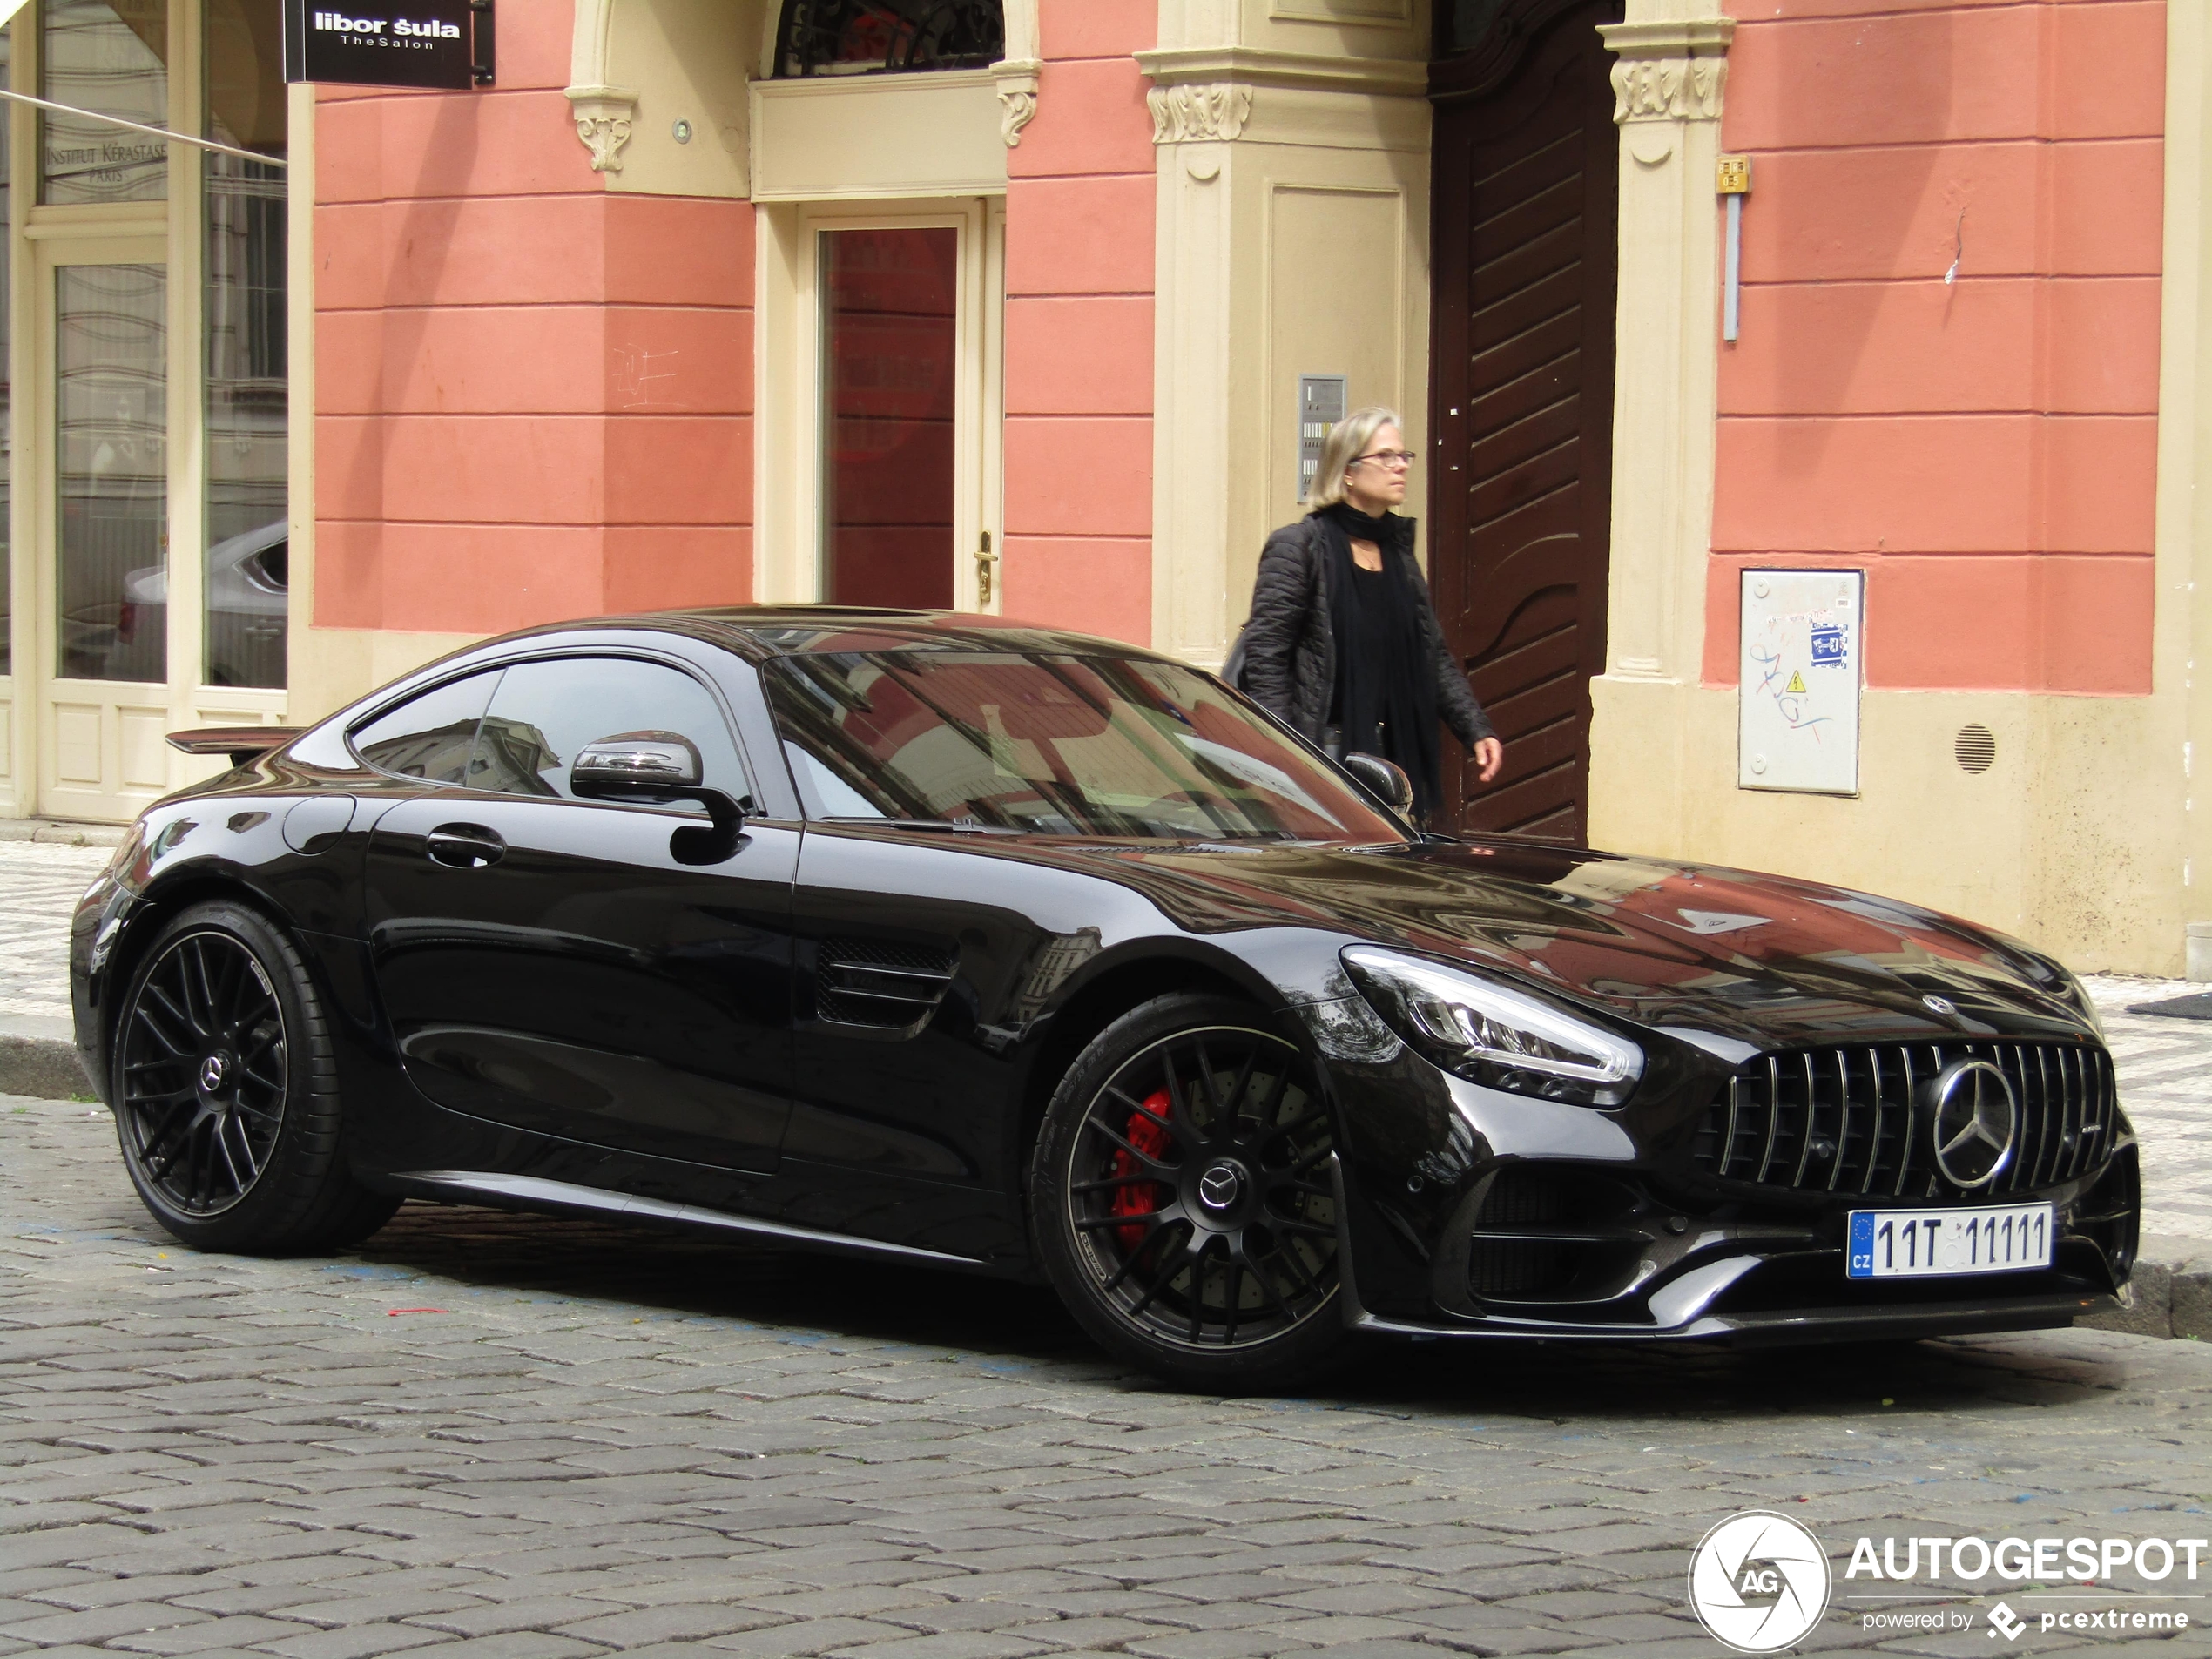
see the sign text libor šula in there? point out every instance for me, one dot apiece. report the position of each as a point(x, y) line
point(403, 31)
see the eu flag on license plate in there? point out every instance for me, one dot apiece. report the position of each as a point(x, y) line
point(1859, 1260)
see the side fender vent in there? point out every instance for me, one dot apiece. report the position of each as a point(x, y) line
point(872, 982)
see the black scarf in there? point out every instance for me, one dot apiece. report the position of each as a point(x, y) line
point(1386, 707)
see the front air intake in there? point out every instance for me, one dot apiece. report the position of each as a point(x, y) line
point(1548, 1234)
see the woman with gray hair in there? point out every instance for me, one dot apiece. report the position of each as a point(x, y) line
point(1344, 644)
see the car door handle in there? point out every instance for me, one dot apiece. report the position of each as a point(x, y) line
point(465, 846)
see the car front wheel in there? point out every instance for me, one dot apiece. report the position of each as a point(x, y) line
point(1182, 1195)
point(225, 1092)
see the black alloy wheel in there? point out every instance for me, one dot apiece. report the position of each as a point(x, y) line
point(225, 1091)
point(202, 1082)
point(1184, 1197)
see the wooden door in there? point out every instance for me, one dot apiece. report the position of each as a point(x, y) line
point(905, 383)
point(1521, 497)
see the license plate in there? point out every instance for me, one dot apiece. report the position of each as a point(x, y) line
point(1942, 1244)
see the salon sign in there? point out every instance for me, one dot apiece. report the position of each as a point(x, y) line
point(433, 43)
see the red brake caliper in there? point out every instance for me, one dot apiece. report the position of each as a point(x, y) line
point(1134, 1197)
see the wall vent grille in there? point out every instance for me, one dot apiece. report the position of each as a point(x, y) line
point(1976, 747)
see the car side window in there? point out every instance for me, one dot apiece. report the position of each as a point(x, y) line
point(544, 711)
point(429, 737)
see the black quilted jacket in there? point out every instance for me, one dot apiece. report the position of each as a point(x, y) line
point(1289, 659)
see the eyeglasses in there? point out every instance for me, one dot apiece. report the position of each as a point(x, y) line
point(1388, 457)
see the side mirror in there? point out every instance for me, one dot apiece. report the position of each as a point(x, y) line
point(1385, 780)
point(650, 766)
point(637, 765)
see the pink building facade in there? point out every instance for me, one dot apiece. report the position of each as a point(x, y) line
point(713, 301)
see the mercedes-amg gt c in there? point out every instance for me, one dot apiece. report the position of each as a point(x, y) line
point(1012, 952)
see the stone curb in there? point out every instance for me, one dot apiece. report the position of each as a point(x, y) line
point(58, 833)
point(2171, 1292)
point(44, 1067)
point(38, 1057)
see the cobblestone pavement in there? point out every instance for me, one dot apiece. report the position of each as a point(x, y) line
point(39, 886)
point(509, 1437)
point(2165, 1069)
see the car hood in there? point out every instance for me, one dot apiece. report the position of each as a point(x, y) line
point(1746, 957)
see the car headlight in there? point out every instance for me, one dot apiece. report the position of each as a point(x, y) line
point(1490, 1035)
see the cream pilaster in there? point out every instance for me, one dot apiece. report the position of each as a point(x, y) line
point(1192, 412)
point(2181, 648)
point(1291, 145)
point(1668, 86)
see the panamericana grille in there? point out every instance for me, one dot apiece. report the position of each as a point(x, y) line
point(1855, 1120)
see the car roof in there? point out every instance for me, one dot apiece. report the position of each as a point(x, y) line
point(759, 632)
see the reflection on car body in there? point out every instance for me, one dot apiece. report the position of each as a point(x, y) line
point(1024, 954)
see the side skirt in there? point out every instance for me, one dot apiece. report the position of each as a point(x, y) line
point(535, 1192)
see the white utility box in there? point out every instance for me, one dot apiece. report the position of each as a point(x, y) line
point(1797, 691)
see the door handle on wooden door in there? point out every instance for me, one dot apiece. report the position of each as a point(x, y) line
point(985, 563)
point(464, 847)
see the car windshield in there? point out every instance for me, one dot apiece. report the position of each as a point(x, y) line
point(1053, 745)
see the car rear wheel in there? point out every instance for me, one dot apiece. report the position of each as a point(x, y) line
point(226, 1093)
point(1184, 1202)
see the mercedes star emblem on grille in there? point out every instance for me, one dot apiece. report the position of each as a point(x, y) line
point(1972, 1122)
point(1939, 1005)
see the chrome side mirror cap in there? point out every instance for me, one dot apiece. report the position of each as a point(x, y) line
point(1385, 780)
point(637, 765)
point(652, 767)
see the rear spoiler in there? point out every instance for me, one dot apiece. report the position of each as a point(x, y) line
point(240, 743)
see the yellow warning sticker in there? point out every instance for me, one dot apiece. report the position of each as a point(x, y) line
point(1796, 686)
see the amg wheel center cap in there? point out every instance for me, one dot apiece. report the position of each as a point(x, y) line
point(1221, 1186)
point(214, 1072)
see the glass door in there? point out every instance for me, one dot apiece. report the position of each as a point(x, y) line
point(150, 454)
point(104, 696)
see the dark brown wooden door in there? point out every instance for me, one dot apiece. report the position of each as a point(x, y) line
point(1521, 429)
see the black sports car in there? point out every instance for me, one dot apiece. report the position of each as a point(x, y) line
point(1014, 952)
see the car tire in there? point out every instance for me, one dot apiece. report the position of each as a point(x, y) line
point(225, 1087)
point(1183, 1199)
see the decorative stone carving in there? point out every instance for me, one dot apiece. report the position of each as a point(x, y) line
point(1018, 88)
point(1188, 114)
point(603, 116)
point(1670, 69)
point(1669, 88)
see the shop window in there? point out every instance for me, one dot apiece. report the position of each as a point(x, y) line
point(111, 56)
point(871, 37)
point(247, 570)
point(111, 408)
